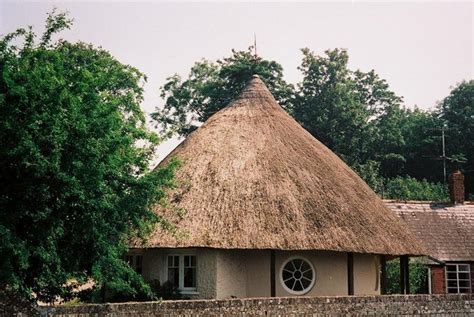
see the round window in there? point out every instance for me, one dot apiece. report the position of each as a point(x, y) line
point(297, 276)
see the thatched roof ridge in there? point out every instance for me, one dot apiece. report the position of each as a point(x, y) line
point(253, 178)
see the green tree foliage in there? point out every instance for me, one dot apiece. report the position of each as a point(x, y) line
point(457, 111)
point(354, 113)
point(421, 144)
point(370, 173)
point(408, 188)
point(210, 86)
point(338, 105)
point(418, 276)
point(74, 157)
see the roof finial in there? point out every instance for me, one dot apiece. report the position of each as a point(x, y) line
point(255, 45)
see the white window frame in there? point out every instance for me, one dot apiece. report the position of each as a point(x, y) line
point(282, 282)
point(457, 277)
point(183, 290)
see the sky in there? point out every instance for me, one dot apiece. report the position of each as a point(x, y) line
point(423, 49)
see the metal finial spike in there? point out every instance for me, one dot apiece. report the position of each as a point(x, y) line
point(255, 44)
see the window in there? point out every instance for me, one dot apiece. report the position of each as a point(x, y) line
point(458, 278)
point(189, 271)
point(182, 271)
point(297, 276)
point(173, 269)
point(135, 262)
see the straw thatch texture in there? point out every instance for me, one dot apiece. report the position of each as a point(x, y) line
point(252, 177)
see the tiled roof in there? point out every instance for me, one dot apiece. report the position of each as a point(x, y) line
point(446, 231)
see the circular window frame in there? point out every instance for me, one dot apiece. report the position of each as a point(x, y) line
point(289, 290)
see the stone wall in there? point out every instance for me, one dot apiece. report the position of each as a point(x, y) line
point(425, 305)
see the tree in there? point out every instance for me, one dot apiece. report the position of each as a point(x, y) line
point(210, 86)
point(457, 112)
point(408, 143)
point(338, 105)
point(352, 112)
point(74, 166)
point(418, 276)
point(408, 188)
point(370, 173)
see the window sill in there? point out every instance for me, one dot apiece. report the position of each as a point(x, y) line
point(188, 292)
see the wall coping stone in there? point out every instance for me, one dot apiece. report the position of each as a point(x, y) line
point(425, 305)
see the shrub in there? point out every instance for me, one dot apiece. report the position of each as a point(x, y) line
point(408, 188)
point(418, 272)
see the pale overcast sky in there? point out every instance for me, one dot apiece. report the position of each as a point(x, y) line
point(421, 48)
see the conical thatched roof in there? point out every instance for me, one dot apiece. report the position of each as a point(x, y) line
point(252, 177)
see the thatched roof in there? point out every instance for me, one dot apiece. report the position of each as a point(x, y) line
point(253, 178)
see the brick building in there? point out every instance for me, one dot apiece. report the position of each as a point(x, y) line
point(447, 232)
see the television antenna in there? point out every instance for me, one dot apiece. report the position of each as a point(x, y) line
point(444, 157)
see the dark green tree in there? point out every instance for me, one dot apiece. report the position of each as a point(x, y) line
point(407, 143)
point(74, 166)
point(457, 112)
point(418, 276)
point(338, 106)
point(354, 113)
point(210, 86)
point(408, 188)
point(390, 141)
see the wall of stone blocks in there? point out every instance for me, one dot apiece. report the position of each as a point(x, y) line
point(399, 305)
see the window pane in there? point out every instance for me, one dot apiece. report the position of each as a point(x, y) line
point(297, 263)
point(173, 276)
point(286, 275)
point(452, 276)
point(190, 277)
point(305, 267)
point(138, 264)
point(464, 284)
point(308, 274)
point(463, 276)
point(451, 268)
point(452, 290)
point(176, 261)
point(464, 290)
point(464, 267)
point(453, 283)
point(189, 261)
point(305, 283)
point(289, 266)
point(298, 286)
point(173, 261)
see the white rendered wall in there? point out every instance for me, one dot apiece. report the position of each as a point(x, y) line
point(246, 273)
point(231, 274)
point(366, 274)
